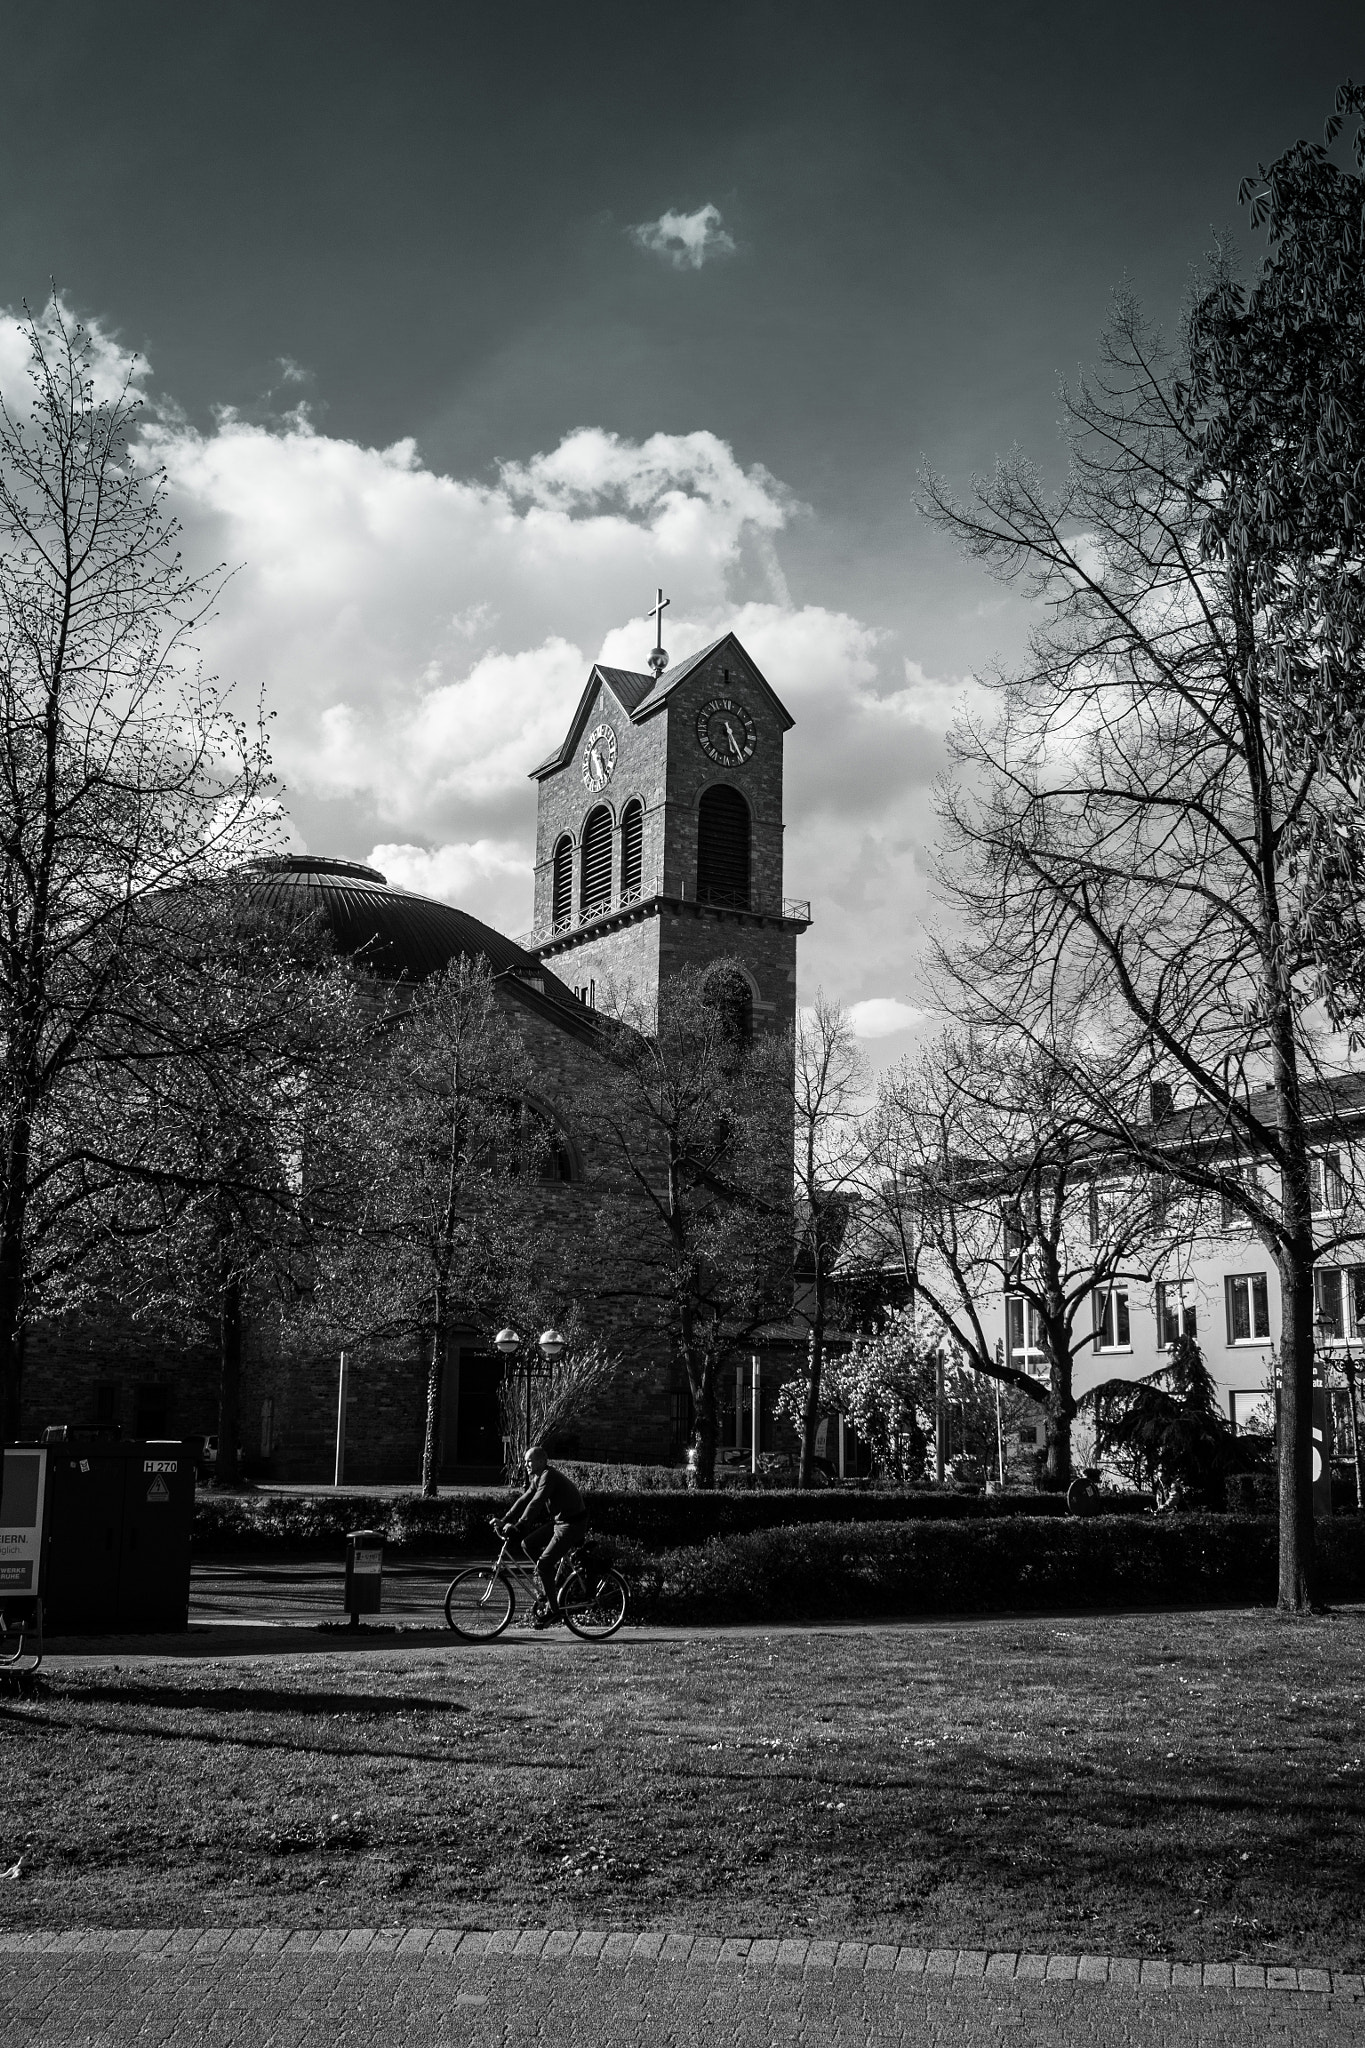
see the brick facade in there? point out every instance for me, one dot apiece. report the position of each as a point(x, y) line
point(660, 761)
point(589, 1233)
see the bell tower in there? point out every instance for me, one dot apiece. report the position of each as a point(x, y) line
point(659, 832)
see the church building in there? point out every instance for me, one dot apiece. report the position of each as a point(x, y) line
point(658, 847)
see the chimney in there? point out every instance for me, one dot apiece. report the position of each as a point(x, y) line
point(1162, 1097)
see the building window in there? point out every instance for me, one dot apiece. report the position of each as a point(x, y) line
point(729, 994)
point(632, 850)
point(1325, 1180)
point(1113, 1327)
point(1230, 1215)
point(1339, 1302)
point(1023, 1333)
point(1248, 1308)
point(1012, 1221)
point(595, 888)
point(1175, 1317)
point(107, 1404)
point(267, 1426)
point(587, 994)
point(561, 884)
point(723, 848)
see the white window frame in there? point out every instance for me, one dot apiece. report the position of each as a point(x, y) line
point(1113, 1309)
point(1169, 1304)
point(1232, 1282)
point(1030, 1354)
point(1328, 1196)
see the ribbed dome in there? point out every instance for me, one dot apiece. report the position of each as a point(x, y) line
point(396, 935)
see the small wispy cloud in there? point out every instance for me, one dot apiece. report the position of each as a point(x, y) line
point(292, 372)
point(686, 240)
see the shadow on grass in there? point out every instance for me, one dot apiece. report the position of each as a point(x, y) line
point(252, 1699)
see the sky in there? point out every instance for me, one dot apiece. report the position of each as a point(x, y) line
point(464, 327)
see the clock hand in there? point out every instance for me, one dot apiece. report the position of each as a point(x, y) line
point(730, 735)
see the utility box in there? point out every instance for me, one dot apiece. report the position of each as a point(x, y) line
point(364, 1573)
point(117, 1547)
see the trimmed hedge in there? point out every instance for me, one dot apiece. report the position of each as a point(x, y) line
point(459, 1521)
point(983, 1564)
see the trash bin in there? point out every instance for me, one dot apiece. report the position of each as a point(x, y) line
point(364, 1573)
point(117, 1541)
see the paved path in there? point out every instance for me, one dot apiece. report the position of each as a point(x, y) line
point(270, 1988)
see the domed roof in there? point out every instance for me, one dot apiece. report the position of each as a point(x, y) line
point(394, 934)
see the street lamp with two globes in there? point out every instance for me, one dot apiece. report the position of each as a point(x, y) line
point(551, 1346)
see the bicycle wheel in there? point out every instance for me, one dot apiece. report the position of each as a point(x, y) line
point(479, 1603)
point(593, 1604)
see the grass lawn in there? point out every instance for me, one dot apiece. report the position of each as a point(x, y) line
point(1186, 1786)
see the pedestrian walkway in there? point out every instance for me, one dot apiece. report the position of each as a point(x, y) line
point(343, 1987)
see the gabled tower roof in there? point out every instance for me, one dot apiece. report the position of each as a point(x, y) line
point(641, 696)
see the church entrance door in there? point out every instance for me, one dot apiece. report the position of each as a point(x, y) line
point(478, 1433)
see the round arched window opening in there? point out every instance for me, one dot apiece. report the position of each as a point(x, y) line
point(561, 883)
point(723, 848)
point(632, 850)
point(595, 885)
point(727, 992)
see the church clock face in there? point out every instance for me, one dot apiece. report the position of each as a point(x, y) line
point(599, 757)
point(726, 732)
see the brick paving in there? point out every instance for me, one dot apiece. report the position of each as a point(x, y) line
point(699, 1952)
point(367, 1987)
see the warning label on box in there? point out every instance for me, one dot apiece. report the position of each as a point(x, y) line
point(158, 1490)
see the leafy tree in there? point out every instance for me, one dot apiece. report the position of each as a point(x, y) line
point(1273, 401)
point(1171, 1424)
point(883, 1386)
point(1125, 841)
point(120, 775)
point(215, 1189)
point(436, 1143)
point(694, 1119)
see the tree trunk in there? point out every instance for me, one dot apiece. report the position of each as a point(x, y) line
point(707, 1425)
point(1294, 1258)
point(1298, 1573)
point(431, 1441)
point(228, 1471)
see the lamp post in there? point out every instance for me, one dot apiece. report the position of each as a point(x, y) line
point(551, 1346)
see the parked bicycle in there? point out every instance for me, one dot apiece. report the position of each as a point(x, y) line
point(482, 1601)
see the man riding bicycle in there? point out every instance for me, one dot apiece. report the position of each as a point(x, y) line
point(549, 1504)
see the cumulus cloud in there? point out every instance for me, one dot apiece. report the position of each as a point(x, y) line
point(422, 639)
point(881, 1016)
point(686, 240)
point(487, 877)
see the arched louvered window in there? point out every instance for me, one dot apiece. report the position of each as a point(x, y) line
point(561, 883)
point(595, 892)
point(723, 848)
point(632, 849)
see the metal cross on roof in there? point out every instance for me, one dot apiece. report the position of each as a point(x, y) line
point(658, 660)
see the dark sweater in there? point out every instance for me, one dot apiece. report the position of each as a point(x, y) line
point(549, 1497)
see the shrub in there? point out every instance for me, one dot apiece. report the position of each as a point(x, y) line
point(977, 1565)
point(459, 1521)
point(597, 1478)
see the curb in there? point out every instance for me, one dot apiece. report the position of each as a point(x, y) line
point(541, 1944)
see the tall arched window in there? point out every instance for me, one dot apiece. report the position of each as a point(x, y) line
point(561, 883)
point(632, 849)
point(595, 889)
point(726, 991)
point(723, 848)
